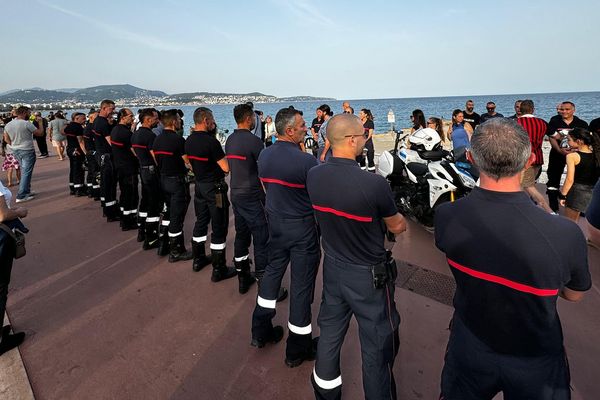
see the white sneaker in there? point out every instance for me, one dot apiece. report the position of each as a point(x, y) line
point(30, 197)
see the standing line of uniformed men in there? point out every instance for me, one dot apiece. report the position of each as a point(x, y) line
point(281, 202)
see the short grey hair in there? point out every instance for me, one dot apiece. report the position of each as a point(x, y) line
point(500, 148)
point(285, 118)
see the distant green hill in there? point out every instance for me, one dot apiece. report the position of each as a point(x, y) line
point(88, 95)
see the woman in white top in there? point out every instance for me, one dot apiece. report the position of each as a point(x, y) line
point(270, 131)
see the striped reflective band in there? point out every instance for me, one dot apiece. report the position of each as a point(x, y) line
point(300, 330)
point(235, 157)
point(152, 219)
point(503, 281)
point(165, 223)
point(342, 214)
point(142, 214)
point(78, 186)
point(199, 239)
point(129, 212)
point(166, 153)
point(264, 303)
point(238, 259)
point(327, 385)
point(117, 143)
point(283, 183)
point(110, 203)
point(217, 246)
point(175, 234)
point(197, 158)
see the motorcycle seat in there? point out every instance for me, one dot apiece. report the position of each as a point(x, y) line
point(417, 169)
point(434, 155)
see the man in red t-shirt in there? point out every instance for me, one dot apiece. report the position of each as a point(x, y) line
point(536, 129)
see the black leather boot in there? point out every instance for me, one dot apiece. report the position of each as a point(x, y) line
point(141, 224)
point(177, 251)
point(151, 236)
point(163, 241)
point(220, 270)
point(300, 348)
point(128, 223)
point(245, 277)
point(274, 336)
point(201, 260)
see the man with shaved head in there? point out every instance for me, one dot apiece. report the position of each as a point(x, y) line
point(354, 209)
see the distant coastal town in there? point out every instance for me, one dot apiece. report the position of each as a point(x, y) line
point(129, 96)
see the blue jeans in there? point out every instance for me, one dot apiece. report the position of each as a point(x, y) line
point(26, 159)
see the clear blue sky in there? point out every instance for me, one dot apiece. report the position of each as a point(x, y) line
point(343, 49)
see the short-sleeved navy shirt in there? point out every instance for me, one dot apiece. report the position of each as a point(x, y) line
point(242, 149)
point(101, 130)
point(593, 212)
point(169, 148)
point(204, 150)
point(88, 138)
point(73, 131)
point(510, 260)
point(123, 158)
point(141, 142)
point(350, 205)
point(283, 169)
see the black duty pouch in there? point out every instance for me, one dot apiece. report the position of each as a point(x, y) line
point(221, 194)
point(385, 272)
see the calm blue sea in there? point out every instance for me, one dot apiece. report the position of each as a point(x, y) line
point(587, 104)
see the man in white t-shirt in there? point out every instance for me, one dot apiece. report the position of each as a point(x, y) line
point(19, 133)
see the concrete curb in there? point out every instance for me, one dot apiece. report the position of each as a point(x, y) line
point(14, 382)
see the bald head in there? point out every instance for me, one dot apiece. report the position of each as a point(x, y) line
point(345, 134)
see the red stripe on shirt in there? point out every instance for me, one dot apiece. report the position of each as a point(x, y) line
point(117, 143)
point(236, 157)
point(503, 281)
point(166, 153)
point(283, 183)
point(198, 158)
point(139, 146)
point(342, 214)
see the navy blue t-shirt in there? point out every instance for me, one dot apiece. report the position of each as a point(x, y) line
point(510, 260)
point(350, 205)
point(169, 149)
point(282, 169)
point(242, 149)
point(101, 129)
point(141, 142)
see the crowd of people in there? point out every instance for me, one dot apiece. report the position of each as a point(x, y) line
point(291, 206)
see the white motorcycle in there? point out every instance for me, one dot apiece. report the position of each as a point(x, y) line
point(423, 175)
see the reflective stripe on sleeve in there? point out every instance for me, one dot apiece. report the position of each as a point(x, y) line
point(327, 385)
point(300, 330)
point(264, 303)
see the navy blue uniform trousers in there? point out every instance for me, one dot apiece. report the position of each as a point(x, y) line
point(348, 289)
point(250, 227)
point(292, 241)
